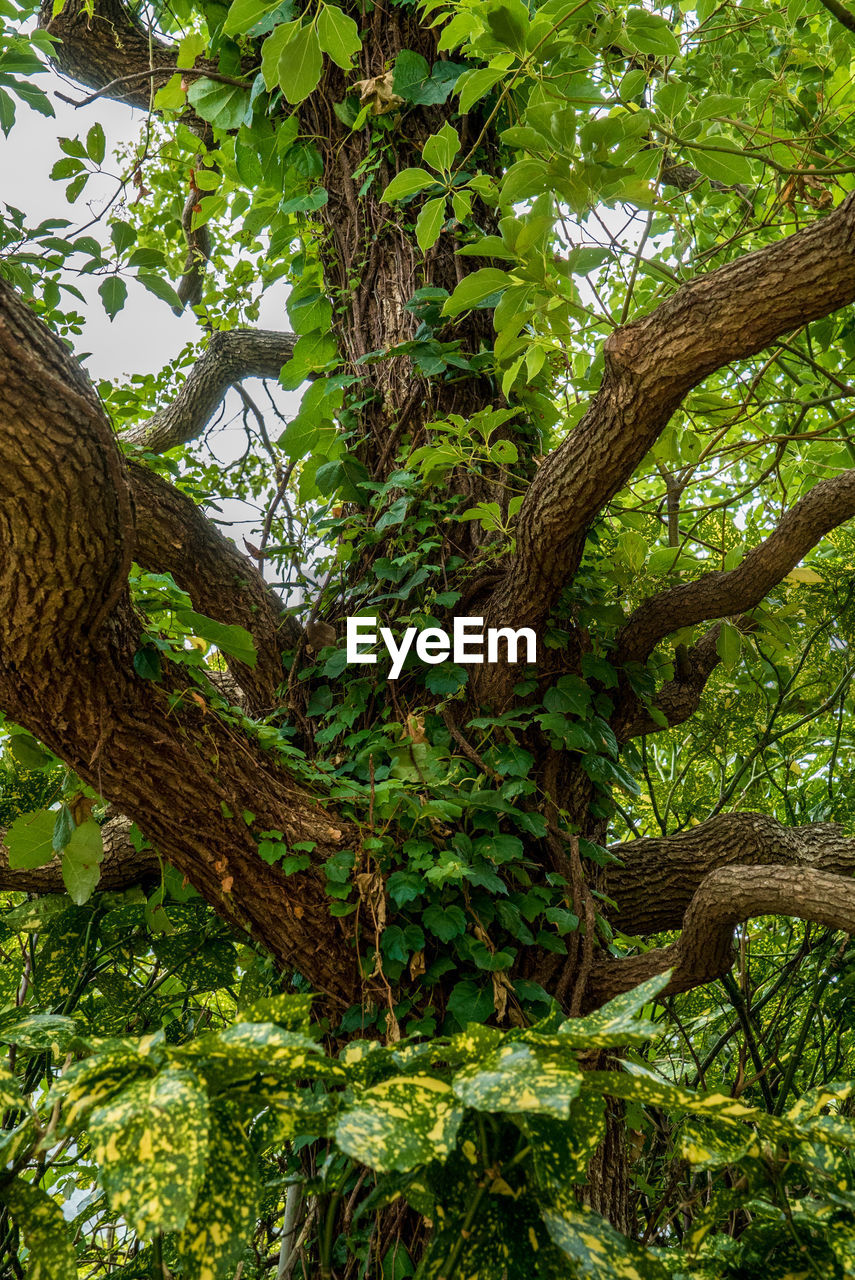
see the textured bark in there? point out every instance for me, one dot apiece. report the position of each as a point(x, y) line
point(68, 635)
point(373, 264)
point(728, 897)
point(678, 699)
point(650, 365)
point(230, 356)
point(198, 788)
point(828, 504)
point(111, 51)
point(655, 885)
point(172, 535)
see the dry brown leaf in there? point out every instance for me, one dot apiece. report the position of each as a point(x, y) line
point(378, 92)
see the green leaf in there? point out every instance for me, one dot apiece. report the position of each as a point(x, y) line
point(416, 83)
point(515, 1078)
point(161, 289)
point(445, 922)
point(113, 291)
point(7, 111)
point(429, 223)
point(271, 51)
point(123, 235)
point(598, 1252)
point(29, 753)
point(29, 840)
point(509, 24)
point(300, 63)
point(222, 105)
point(448, 677)
point(81, 862)
point(441, 148)
point(728, 645)
point(150, 1144)
point(338, 36)
point(616, 1022)
point(723, 166)
point(147, 663)
point(96, 143)
point(50, 1254)
point(475, 84)
point(243, 15)
point(475, 288)
point(407, 183)
point(224, 1218)
point(63, 828)
point(648, 33)
point(229, 638)
point(401, 1123)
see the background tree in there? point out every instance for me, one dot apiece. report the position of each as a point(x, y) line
point(568, 289)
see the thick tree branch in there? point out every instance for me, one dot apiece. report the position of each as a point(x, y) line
point(199, 789)
point(230, 356)
point(678, 699)
point(827, 505)
point(172, 535)
point(650, 365)
point(112, 52)
point(726, 898)
point(840, 12)
point(659, 877)
point(122, 867)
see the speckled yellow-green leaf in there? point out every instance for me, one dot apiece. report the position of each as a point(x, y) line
point(562, 1149)
point(598, 1251)
point(505, 1241)
point(50, 1255)
point(474, 1041)
point(367, 1062)
point(10, 1093)
point(150, 1143)
point(221, 1225)
point(92, 1083)
point(260, 1048)
point(291, 1012)
point(617, 1023)
point(401, 1123)
point(515, 1078)
point(37, 1031)
point(705, 1148)
point(60, 956)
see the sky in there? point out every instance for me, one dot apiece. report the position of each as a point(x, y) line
point(145, 334)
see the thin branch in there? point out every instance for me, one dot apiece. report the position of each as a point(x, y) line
point(231, 356)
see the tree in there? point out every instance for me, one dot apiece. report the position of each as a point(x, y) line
point(568, 301)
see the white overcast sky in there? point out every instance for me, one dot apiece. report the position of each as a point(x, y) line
point(145, 334)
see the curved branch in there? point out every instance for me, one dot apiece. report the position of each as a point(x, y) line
point(678, 699)
point(840, 12)
point(658, 878)
point(728, 897)
point(231, 356)
point(200, 789)
point(172, 535)
point(650, 365)
point(827, 505)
